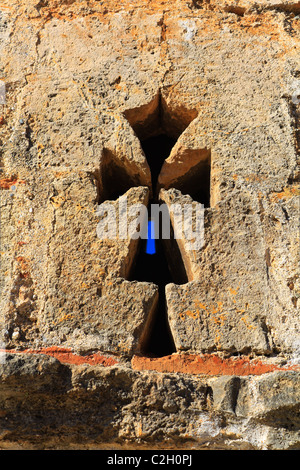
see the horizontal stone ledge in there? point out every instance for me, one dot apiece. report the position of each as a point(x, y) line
point(208, 364)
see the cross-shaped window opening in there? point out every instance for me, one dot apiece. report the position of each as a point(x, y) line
point(158, 136)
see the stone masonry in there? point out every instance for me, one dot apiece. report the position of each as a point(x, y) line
point(90, 92)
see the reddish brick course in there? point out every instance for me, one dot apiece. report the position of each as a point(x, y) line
point(207, 364)
point(68, 357)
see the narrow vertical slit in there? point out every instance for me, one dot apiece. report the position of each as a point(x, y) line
point(157, 148)
point(154, 267)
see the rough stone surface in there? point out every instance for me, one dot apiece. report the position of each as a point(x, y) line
point(86, 82)
point(152, 409)
point(197, 325)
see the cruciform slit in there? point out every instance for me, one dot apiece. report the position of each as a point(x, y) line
point(158, 130)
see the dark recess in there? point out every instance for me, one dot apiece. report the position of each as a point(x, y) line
point(157, 148)
point(154, 268)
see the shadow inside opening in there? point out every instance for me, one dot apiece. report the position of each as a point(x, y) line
point(157, 148)
point(155, 267)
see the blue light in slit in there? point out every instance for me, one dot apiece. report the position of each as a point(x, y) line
point(150, 247)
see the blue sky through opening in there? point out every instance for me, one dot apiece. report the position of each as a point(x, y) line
point(150, 247)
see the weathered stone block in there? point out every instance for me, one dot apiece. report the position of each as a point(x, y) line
point(217, 325)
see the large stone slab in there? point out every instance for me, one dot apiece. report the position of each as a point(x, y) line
point(202, 322)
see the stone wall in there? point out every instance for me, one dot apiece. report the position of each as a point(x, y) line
point(87, 84)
